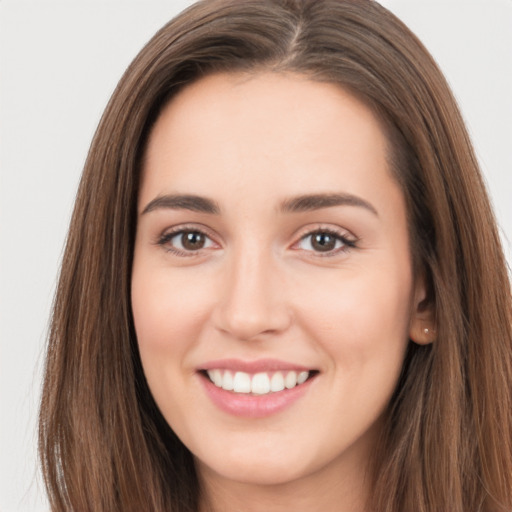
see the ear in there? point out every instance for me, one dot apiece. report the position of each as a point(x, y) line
point(422, 324)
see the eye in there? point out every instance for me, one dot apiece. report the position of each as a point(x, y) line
point(325, 241)
point(186, 241)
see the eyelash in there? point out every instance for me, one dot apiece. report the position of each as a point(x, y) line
point(339, 236)
point(165, 239)
point(347, 243)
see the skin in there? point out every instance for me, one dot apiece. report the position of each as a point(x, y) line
point(260, 289)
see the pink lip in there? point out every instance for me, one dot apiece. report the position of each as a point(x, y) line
point(260, 365)
point(248, 405)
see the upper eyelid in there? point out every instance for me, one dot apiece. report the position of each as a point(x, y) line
point(175, 230)
point(322, 228)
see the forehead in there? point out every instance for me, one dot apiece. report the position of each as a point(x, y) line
point(237, 126)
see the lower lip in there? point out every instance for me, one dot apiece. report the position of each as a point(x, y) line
point(253, 406)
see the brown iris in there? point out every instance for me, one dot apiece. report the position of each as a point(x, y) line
point(193, 240)
point(323, 242)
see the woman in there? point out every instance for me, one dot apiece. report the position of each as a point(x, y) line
point(283, 286)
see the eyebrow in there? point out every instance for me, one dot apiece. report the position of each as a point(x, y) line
point(311, 202)
point(297, 204)
point(183, 202)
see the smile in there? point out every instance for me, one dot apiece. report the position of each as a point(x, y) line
point(255, 389)
point(261, 383)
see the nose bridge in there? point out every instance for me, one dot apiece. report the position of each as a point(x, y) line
point(252, 301)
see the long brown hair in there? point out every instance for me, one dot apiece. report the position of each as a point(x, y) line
point(447, 444)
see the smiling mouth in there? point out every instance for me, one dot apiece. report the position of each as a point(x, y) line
point(262, 383)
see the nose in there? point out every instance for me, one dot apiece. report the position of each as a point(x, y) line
point(252, 302)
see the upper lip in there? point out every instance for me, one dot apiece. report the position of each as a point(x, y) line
point(259, 365)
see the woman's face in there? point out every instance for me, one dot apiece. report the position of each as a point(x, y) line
point(272, 256)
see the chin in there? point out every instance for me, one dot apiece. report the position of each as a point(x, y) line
point(262, 472)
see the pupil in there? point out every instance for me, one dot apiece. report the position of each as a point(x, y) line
point(323, 242)
point(192, 240)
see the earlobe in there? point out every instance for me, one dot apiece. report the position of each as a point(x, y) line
point(422, 326)
point(422, 335)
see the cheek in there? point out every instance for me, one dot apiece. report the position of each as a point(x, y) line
point(360, 316)
point(164, 295)
point(168, 311)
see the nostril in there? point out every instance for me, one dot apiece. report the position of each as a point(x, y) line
point(250, 321)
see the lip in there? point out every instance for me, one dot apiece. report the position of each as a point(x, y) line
point(259, 365)
point(248, 405)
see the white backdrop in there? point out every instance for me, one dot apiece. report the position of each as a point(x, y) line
point(59, 62)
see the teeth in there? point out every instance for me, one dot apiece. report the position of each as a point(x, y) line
point(259, 383)
point(216, 376)
point(242, 383)
point(277, 382)
point(227, 381)
point(290, 381)
point(302, 377)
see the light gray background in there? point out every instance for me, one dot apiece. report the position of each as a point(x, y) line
point(59, 62)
